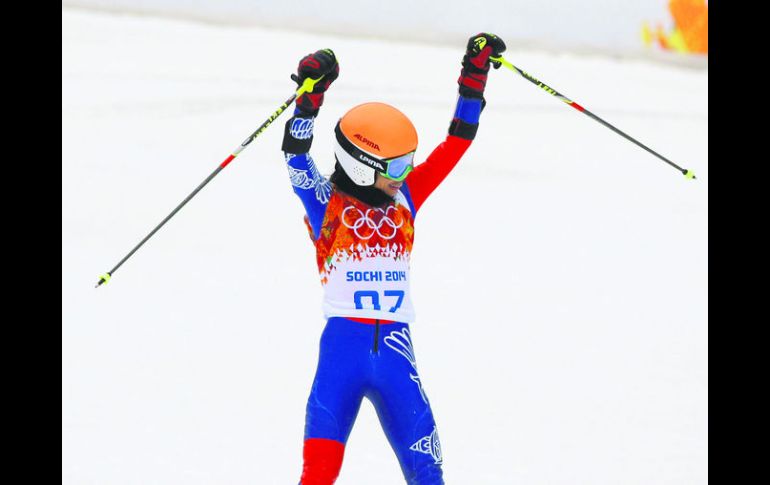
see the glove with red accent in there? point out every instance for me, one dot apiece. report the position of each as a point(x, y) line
point(473, 77)
point(320, 63)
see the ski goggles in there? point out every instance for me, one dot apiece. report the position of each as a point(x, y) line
point(399, 167)
point(396, 168)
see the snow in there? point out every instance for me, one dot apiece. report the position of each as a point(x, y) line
point(559, 274)
point(598, 25)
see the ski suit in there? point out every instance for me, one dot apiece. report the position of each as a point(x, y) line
point(366, 350)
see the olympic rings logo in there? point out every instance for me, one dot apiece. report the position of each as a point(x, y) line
point(364, 221)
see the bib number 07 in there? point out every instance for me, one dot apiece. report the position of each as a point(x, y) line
point(374, 296)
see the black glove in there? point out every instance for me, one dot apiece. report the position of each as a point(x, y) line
point(320, 63)
point(473, 77)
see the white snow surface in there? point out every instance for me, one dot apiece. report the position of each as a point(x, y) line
point(609, 26)
point(559, 274)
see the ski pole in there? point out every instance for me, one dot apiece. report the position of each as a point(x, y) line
point(307, 86)
point(687, 173)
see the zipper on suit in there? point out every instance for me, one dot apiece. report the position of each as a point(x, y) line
point(376, 334)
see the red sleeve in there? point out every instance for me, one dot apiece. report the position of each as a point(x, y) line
point(429, 174)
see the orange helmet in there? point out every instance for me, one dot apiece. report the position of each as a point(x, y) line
point(372, 138)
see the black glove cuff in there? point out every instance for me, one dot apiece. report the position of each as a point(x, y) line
point(467, 92)
point(292, 144)
point(462, 129)
point(305, 113)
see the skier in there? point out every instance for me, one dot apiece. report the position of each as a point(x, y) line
point(361, 222)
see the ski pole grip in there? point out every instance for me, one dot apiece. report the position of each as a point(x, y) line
point(502, 61)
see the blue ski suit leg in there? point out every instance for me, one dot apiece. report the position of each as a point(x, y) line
point(375, 361)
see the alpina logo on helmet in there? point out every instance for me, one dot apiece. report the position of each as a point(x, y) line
point(371, 162)
point(368, 142)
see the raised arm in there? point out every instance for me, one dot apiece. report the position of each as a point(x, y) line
point(470, 101)
point(311, 187)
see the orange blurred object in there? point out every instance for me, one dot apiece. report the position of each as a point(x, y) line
point(691, 28)
point(692, 20)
